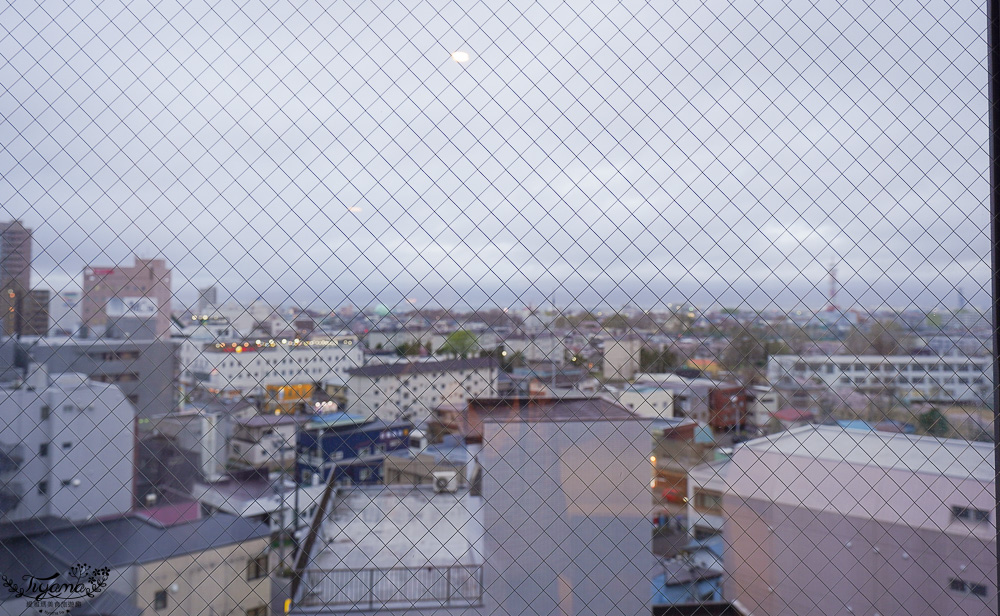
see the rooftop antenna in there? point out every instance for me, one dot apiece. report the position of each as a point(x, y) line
point(834, 287)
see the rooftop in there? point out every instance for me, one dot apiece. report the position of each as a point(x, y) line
point(271, 419)
point(793, 414)
point(417, 367)
point(526, 408)
point(131, 540)
point(335, 419)
point(401, 526)
point(169, 515)
point(883, 359)
point(920, 454)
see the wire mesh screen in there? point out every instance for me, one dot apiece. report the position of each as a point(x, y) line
point(496, 308)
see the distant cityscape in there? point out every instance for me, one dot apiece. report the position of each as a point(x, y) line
point(368, 459)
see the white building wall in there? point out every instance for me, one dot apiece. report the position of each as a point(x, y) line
point(318, 361)
point(654, 403)
point(621, 358)
point(89, 433)
point(944, 378)
point(417, 394)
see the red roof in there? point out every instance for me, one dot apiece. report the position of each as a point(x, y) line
point(168, 515)
point(792, 414)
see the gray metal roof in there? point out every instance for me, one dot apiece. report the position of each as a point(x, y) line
point(131, 540)
point(950, 457)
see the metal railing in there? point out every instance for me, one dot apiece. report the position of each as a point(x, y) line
point(396, 587)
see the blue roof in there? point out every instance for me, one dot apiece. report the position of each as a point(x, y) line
point(855, 424)
point(338, 418)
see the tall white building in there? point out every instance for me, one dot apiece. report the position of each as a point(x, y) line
point(66, 448)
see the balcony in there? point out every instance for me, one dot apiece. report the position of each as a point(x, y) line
point(393, 588)
point(10, 497)
point(11, 457)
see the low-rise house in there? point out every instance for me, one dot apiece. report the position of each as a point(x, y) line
point(213, 565)
point(418, 464)
point(261, 498)
point(647, 400)
point(266, 440)
point(354, 452)
point(722, 405)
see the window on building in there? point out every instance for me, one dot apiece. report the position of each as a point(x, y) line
point(969, 514)
point(711, 501)
point(43, 450)
point(160, 600)
point(43, 487)
point(46, 411)
point(67, 445)
point(959, 585)
point(257, 567)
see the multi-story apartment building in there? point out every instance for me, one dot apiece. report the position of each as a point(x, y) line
point(66, 445)
point(412, 388)
point(647, 400)
point(950, 378)
point(826, 520)
point(579, 471)
point(144, 369)
point(141, 293)
point(232, 366)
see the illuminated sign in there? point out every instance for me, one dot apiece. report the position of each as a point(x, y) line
point(395, 433)
point(144, 307)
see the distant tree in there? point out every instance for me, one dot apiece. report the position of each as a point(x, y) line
point(408, 348)
point(751, 347)
point(459, 342)
point(876, 338)
point(658, 362)
point(616, 321)
point(933, 423)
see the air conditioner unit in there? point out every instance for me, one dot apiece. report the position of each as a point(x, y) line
point(445, 481)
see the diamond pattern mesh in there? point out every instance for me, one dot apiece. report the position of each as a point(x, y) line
point(496, 308)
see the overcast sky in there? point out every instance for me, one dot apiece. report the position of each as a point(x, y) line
point(595, 153)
